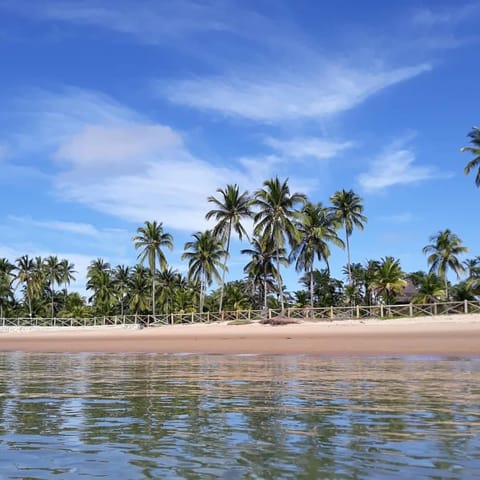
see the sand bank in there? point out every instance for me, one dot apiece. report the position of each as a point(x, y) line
point(442, 335)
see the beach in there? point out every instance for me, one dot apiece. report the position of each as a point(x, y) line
point(441, 335)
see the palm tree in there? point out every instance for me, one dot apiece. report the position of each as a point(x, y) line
point(274, 219)
point(204, 254)
point(261, 269)
point(138, 289)
point(68, 272)
point(100, 281)
point(151, 238)
point(25, 274)
point(444, 251)
point(475, 162)
point(389, 279)
point(429, 287)
point(54, 275)
point(231, 209)
point(121, 276)
point(169, 280)
point(348, 210)
point(6, 283)
point(316, 227)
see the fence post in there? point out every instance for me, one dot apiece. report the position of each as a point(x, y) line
point(381, 310)
point(465, 304)
point(358, 311)
point(269, 313)
point(410, 309)
point(208, 316)
point(331, 312)
point(435, 309)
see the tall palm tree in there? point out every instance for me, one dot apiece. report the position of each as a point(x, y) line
point(121, 275)
point(444, 250)
point(100, 281)
point(6, 283)
point(348, 210)
point(230, 210)
point(54, 275)
point(261, 269)
point(25, 268)
point(138, 289)
point(275, 219)
point(389, 279)
point(317, 227)
point(68, 272)
point(205, 256)
point(475, 162)
point(151, 238)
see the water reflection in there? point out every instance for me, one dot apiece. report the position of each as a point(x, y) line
point(197, 417)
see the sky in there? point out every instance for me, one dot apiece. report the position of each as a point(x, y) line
point(116, 112)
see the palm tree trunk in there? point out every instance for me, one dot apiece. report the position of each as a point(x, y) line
point(225, 266)
point(311, 288)
point(446, 286)
point(280, 285)
point(153, 293)
point(349, 268)
point(265, 286)
point(202, 292)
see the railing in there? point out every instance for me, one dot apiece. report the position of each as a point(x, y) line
point(306, 313)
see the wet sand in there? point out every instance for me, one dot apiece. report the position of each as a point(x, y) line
point(443, 335)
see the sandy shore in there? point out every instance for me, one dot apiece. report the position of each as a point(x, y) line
point(443, 335)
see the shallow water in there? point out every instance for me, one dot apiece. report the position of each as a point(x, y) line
point(237, 417)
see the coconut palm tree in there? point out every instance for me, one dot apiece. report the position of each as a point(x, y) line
point(169, 280)
point(6, 283)
point(475, 149)
point(348, 209)
point(138, 289)
point(100, 281)
point(276, 210)
point(232, 208)
point(68, 272)
point(316, 226)
point(205, 255)
point(54, 275)
point(429, 286)
point(389, 279)
point(444, 250)
point(121, 275)
point(25, 268)
point(151, 238)
point(261, 269)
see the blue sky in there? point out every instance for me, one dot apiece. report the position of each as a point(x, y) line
point(117, 112)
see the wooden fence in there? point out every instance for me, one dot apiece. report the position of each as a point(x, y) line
point(313, 314)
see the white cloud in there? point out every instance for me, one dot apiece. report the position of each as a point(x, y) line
point(116, 147)
point(428, 17)
point(311, 93)
point(395, 166)
point(70, 227)
point(302, 147)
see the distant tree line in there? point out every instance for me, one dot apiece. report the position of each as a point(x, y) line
point(288, 229)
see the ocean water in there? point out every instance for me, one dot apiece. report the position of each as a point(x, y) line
point(75, 416)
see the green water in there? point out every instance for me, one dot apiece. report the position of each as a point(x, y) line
point(237, 417)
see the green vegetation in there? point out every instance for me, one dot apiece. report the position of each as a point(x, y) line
point(475, 150)
point(288, 229)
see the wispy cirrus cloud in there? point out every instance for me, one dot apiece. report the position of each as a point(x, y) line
point(308, 147)
point(275, 98)
point(446, 16)
point(57, 225)
point(396, 166)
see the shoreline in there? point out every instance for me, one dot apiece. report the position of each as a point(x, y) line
point(442, 335)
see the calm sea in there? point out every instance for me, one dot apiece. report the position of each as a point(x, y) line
point(238, 417)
